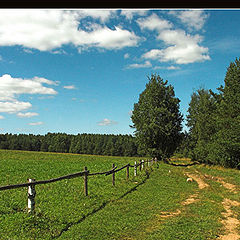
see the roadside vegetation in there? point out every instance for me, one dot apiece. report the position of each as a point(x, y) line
point(214, 123)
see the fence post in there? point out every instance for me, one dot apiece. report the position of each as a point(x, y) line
point(86, 181)
point(140, 165)
point(31, 196)
point(127, 173)
point(113, 175)
point(135, 169)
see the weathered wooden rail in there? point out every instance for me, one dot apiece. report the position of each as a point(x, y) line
point(86, 173)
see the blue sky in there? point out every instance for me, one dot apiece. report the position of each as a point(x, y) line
point(82, 70)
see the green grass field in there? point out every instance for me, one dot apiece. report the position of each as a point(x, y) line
point(157, 204)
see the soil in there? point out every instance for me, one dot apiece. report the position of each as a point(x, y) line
point(198, 179)
point(230, 221)
point(191, 199)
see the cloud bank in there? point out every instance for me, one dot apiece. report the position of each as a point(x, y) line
point(51, 29)
point(181, 48)
point(11, 89)
point(46, 30)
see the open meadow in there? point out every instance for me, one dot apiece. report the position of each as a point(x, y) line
point(158, 203)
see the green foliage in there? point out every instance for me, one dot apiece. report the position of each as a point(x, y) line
point(227, 139)
point(214, 122)
point(184, 149)
point(157, 119)
point(201, 123)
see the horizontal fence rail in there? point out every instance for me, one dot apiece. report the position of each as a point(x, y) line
point(32, 182)
point(74, 175)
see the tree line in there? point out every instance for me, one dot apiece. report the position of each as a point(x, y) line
point(99, 144)
point(213, 120)
point(214, 123)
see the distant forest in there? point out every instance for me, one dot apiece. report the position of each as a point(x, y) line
point(97, 144)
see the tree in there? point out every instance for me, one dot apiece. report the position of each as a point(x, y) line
point(157, 119)
point(201, 123)
point(226, 144)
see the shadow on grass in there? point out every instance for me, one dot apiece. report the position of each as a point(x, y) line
point(103, 205)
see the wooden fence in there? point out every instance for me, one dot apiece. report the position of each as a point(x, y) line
point(86, 173)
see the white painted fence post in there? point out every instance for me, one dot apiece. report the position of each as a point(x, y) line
point(31, 196)
point(142, 164)
point(135, 169)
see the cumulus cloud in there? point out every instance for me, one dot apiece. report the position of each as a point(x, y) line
point(44, 80)
point(103, 15)
point(107, 38)
point(147, 64)
point(70, 87)
point(14, 106)
point(46, 30)
point(173, 68)
point(27, 50)
point(183, 49)
point(168, 68)
point(129, 13)
point(27, 114)
point(106, 122)
point(36, 123)
point(194, 19)
point(60, 51)
point(180, 47)
point(1, 117)
point(153, 22)
point(11, 88)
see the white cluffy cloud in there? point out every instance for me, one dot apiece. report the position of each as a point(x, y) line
point(46, 30)
point(153, 22)
point(103, 15)
point(168, 68)
point(11, 88)
point(106, 122)
point(129, 13)
point(183, 48)
point(70, 87)
point(14, 106)
point(147, 64)
point(36, 123)
point(1, 117)
point(194, 19)
point(27, 114)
